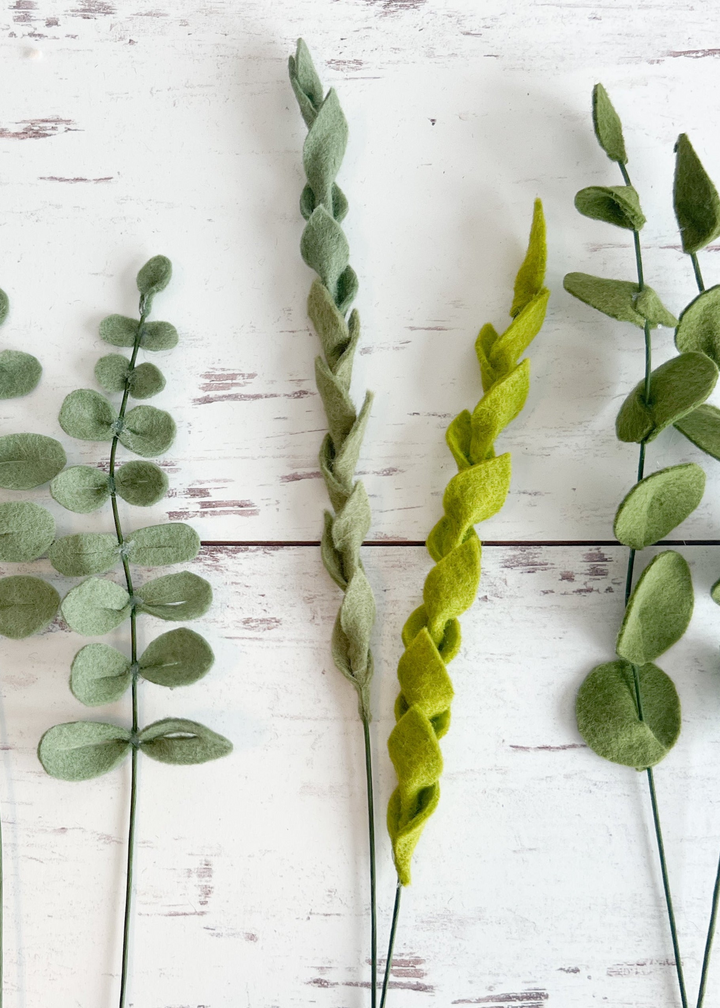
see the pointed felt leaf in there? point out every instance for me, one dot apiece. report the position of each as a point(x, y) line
point(81, 750)
point(87, 415)
point(119, 330)
point(147, 431)
point(699, 325)
point(649, 305)
point(19, 373)
point(618, 205)
point(619, 299)
point(157, 545)
point(96, 607)
point(29, 460)
point(510, 345)
point(141, 483)
point(158, 336)
point(176, 597)
point(457, 436)
point(146, 381)
point(99, 674)
point(697, 205)
point(27, 606)
point(111, 372)
point(176, 658)
point(658, 504)
point(26, 531)
point(177, 740)
point(608, 128)
point(530, 276)
point(702, 427)
point(81, 488)
point(155, 275)
point(659, 609)
point(84, 553)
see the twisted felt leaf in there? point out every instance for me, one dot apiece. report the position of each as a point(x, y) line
point(432, 633)
point(325, 249)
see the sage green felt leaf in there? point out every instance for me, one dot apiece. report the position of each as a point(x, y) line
point(618, 205)
point(99, 674)
point(27, 606)
point(608, 128)
point(146, 380)
point(657, 504)
point(158, 545)
point(29, 460)
point(80, 750)
point(697, 206)
point(699, 325)
point(26, 531)
point(119, 330)
point(649, 305)
point(659, 609)
point(176, 658)
point(676, 389)
point(158, 336)
point(141, 483)
point(702, 427)
point(177, 740)
point(607, 714)
point(111, 372)
point(84, 553)
point(87, 415)
point(4, 306)
point(155, 275)
point(147, 431)
point(19, 373)
point(95, 607)
point(176, 597)
point(81, 488)
point(619, 299)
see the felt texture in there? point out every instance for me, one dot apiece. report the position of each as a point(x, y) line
point(95, 607)
point(620, 299)
point(154, 277)
point(659, 609)
point(141, 483)
point(177, 597)
point(431, 635)
point(84, 553)
point(121, 331)
point(27, 606)
point(145, 381)
point(80, 750)
point(699, 325)
point(697, 205)
point(608, 719)
point(325, 249)
point(99, 674)
point(702, 427)
point(19, 373)
point(715, 593)
point(183, 742)
point(158, 545)
point(26, 531)
point(87, 415)
point(81, 489)
point(147, 431)
point(159, 336)
point(677, 387)
point(618, 205)
point(4, 306)
point(112, 371)
point(608, 128)
point(29, 460)
point(658, 504)
point(176, 658)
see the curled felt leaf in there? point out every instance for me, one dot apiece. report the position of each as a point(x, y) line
point(158, 545)
point(26, 531)
point(618, 205)
point(29, 460)
point(146, 381)
point(619, 299)
point(99, 674)
point(147, 431)
point(608, 128)
point(81, 488)
point(608, 719)
point(80, 750)
point(154, 276)
point(85, 553)
point(141, 483)
point(530, 276)
point(659, 609)
point(177, 597)
point(27, 606)
point(87, 415)
point(176, 658)
point(658, 504)
point(699, 325)
point(697, 206)
point(702, 427)
point(158, 336)
point(95, 607)
point(111, 372)
point(177, 740)
point(19, 373)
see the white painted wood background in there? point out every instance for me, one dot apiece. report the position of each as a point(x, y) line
point(128, 129)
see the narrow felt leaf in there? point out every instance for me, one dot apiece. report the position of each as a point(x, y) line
point(702, 427)
point(608, 128)
point(119, 330)
point(95, 607)
point(81, 489)
point(176, 597)
point(99, 674)
point(4, 306)
point(699, 325)
point(697, 205)
point(19, 373)
point(146, 381)
point(608, 719)
point(618, 205)
point(176, 658)
point(80, 750)
point(158, 336)
point(676, 388)
point(27, 606)
point(658, 504)
point(84, 553)
point(141, 483)
point(29, 460)
point(147, 431)
point(111, 372)
point(177, 740)
point(157, 545)
point(619, 299)
point(155, 275)
point(530, 276)
point(87, 415)
point(659, 609)
point(26, 531)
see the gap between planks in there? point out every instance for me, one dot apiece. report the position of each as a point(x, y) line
point(485, 542)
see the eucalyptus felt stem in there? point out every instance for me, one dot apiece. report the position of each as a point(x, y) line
point(325, 249)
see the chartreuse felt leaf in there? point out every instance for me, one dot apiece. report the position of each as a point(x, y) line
point(95, 607)
point(702, 427)
point(618, 205)
point(699, 325)
point(146, 381)
point(177, 597)
point(608, 128)
point(81, 750)
point(658, 504)
point(141, 483)
point(697, 205)
point(183, 742)
point(87, 415)
point(81, 488)
point(676, 388)
point(176, 658)
point(111, 372)
point(29, 460)
point(607, 713)
point(157, 545)
point(620, 299)
point(26, 531)
point(99, 674)
point(19, 373)
point(147, 431)
point(84, 553)
point(27, 605)
point(155, 275)
point(659, 609)
point(530, 276)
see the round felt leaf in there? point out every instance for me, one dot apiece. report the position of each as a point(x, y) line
point(112, 372)
point(697, 206)
point(147, 431)
point(81, 750)
point(176, 597)
point(26, 531)
point(657, 504)
point(607, 714)
point(158, 545)
point(95, 607)
point(81, 489)
point(119, 330)
point(19, 373)
point(676, 389)
point(702, 427)
point(699, 325)
point(87, 415)
point(177, 740)
point(99, 674)
point(146, 381)
point(29, 460)
point(141, 483)
point(4, 306)
point(619, 205)
point(659, 609)
point(84, 553)
point(159, 336)
point(176, 658)
point(155, 275)
point(27, 605)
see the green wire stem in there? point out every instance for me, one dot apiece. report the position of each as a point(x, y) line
point(373, 871)
point(391, 943)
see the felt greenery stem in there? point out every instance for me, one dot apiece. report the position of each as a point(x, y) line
point(102, 674)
